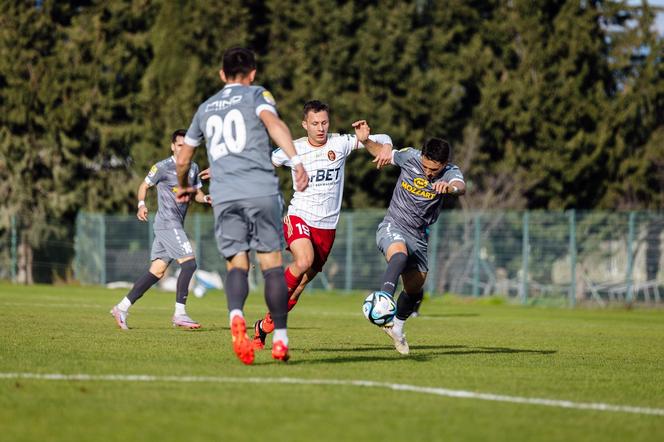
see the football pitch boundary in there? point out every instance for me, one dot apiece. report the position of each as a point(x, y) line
point(461, 394)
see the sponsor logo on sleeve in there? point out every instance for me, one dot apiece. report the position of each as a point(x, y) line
point(153, 171)
point(267, 96)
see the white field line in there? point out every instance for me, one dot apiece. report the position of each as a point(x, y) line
point(353, 383)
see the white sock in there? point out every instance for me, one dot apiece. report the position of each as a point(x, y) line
point(235, 312)
point(398, 325)
point(124, 304)
point(280, 335)
point(180, 309)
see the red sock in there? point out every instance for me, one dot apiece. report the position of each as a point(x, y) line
point(292, 281)
point(291, 303)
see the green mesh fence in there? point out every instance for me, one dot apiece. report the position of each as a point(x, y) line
point(569, 257)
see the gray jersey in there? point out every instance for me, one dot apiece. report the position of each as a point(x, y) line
point(238, 146)
point(415, 205)
point(170, 214)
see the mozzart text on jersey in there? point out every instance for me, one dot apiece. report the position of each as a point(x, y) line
point(419, 192)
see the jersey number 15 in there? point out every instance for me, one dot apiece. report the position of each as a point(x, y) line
point(227, 135)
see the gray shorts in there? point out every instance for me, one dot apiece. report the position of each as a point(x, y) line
point(249, 224)
point(389, 233)
point(170, 244)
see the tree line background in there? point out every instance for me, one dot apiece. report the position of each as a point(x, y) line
point(548, 104)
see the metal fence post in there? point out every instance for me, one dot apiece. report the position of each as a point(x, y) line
point(433, 253)
point(14, 251)
point(629, 292)
point(102, 249)
point(349, 252)
point(572, 258)
point(476, 256)
point(525, 251)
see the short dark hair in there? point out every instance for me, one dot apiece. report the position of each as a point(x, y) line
point(437, 149)
point(178, 133)
point(238, 61)
point(314, 106)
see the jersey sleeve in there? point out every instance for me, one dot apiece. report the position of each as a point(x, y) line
point(194, 179)
point(194, 134)
point(378, 138)
point(399, 157)
point(263, 100)
point(279, 158)
point(452, 174)
point(154, 175)
point(350, 142)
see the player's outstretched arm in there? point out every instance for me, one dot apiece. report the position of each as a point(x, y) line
point(456, 188)
point(182, 165)
point(142, 213)
point(281, 135)
point(382, 153)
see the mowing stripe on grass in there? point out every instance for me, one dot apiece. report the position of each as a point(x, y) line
point(356, 383)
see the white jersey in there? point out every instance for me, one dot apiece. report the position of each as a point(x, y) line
point(319, 204)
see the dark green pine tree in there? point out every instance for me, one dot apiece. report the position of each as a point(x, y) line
point(634, 127)
point(543, 102)
point(68, 77)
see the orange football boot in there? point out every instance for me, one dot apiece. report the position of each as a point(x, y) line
point(280, 351)
point(241, 344)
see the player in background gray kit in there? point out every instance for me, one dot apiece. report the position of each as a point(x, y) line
point(170, 242)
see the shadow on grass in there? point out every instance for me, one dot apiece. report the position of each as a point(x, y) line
point(417, 354)
point(448, 315)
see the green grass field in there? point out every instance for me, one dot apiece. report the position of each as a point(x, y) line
point(199, 391)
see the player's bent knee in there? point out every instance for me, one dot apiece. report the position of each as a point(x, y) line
point(269, 260)
point(303, 264)
point(413, 281)
point(189, 264)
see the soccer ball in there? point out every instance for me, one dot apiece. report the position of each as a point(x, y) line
point(379, 308)
point(199, 291)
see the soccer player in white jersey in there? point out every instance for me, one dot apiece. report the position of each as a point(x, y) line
point(310, 225)
point(236, 124)
point(170, 242)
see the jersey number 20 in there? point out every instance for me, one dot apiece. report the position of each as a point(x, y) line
point(228, 135)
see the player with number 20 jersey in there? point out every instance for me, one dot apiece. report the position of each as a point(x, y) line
point(235, 123)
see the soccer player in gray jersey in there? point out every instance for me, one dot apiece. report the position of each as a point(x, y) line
point(170, 239)
point(426, 178)
point(235, 123)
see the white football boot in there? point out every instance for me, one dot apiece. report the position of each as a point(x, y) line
point(400, 342)
point(120, 317)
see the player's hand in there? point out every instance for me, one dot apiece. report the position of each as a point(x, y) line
point(442, 187)
point(205, 174)
point(142, 213)
point(301, 178)
point(384, 156)
point(207, 199)
point(362, 130)
point(184, 195)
